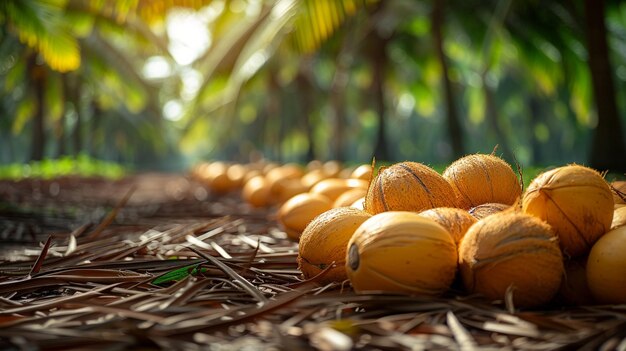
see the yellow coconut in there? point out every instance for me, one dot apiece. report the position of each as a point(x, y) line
point(577, 203)
point(348, 197)
point(314, 164)
point(332, 168)
point(267, 167)
point(478, 179)
point(217, 178)
point(197, 171)
point(279, 175)
point(574, 290)
point(333, 187)
point(324, 242)
point(362, 172)
point(313, 177)
point(484, 210)
point(256, 192)
point(606, 268)
point(619, 191)
point(408, 186)
point(619, 217)
point(251, 173)
point(296, 213)
point(287, 188)
point(455, 220)
point(511, 250)
point(399, 251)
point(237, 173)
point(359, 204)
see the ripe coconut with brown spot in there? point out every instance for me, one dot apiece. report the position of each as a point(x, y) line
point(478, 179)
point(457, 221)
point(606, 268)
point(511, 250)
point(400, 251)
point(577, 203)
point(348, 197)
point(256, 192)
point(296, 213)
point(323, 243)
point(484, 210)
point(408, 186)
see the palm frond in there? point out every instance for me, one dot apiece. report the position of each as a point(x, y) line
point(316, 20)
point(302, 24)
point(39, 25)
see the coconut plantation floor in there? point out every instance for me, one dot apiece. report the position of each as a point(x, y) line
point(155, 261)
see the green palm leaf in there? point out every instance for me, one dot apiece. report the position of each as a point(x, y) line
point(39, 25)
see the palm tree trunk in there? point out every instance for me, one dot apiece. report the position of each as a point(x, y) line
point(493, 119)
point(273, 111)
point(338, 104)
point(38, 134)
point(607, 148)
point(72, 91)
point(454, 125)
point(379, 61)
point(305, 91)
point(535, 117)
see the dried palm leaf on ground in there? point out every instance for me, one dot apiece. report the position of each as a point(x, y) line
point(188, 270)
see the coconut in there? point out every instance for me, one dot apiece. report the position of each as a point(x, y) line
point(362, 172)
point(455, 220)
point(324, 242)
point(606, 268)
point(256, 192)
point(574, 290)
point(359, 204)
point(348, 197)
point(333, 187)
point(285, 189)
point(399, 251)
point(313, 177)
point(511, 250)
point(478, 179)
point(237, 173)
point(217, 178)
point(484, 210)
point(267, 167)
point(314, 164)
point(332, 168)
point(279, 174)
point(296, 213)
point(619, 217)
point(576, 202)
point(408, 186)
point(251, 173)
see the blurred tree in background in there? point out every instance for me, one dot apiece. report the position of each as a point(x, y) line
point(161, 84)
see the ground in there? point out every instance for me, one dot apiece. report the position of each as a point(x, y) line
point(157, 261)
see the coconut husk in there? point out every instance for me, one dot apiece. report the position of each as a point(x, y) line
point(478, 179)
point(178, 268)
point(408, 186)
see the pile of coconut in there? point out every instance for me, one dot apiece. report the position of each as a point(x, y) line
point(474, 227)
